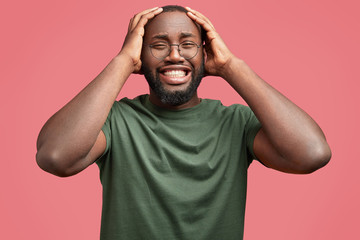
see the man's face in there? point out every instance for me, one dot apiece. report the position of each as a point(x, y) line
point(174, 79)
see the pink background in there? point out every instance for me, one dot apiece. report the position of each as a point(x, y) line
point(309, 50)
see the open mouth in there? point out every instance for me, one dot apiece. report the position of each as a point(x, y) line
point(175, 73)
point(175, 76)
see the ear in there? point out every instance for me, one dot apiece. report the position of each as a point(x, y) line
point(205, 59)
point(204, 53)
point(141, 71)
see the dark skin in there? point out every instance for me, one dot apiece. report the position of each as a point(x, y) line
point(289, 140)
point(173, 28)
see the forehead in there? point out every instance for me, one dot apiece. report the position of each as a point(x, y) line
point(172, 24)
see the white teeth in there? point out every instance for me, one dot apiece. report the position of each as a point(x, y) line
point(175, 73)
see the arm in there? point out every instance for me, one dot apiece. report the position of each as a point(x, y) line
point(289, 140)
point(72, 138)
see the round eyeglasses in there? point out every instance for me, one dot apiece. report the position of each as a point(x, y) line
point(161, 50)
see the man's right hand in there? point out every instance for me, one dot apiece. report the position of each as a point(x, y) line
point(72, 138)
point(134, 39)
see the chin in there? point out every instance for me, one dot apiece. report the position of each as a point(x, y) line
point(175, 97)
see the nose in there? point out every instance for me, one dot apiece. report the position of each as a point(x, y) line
point(174, 55)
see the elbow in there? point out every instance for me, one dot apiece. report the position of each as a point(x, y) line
point(315, 159)
point(51, 162)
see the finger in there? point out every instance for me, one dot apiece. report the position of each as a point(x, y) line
point(143, 19)
point(149, 13)
point(130, 24)
point(139, 28)
point(200, 15)
point(207, 27)
point(138, 16)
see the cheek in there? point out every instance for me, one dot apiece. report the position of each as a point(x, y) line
point(148, 60)
point(198, 62)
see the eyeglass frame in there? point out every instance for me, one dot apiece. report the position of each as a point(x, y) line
point(178, 49)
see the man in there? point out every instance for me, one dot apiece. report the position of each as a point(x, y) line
point(172, 165)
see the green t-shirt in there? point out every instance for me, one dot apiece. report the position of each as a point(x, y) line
point(175, 174)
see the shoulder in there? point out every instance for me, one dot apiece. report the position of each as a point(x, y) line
point(128, 105)
point(234, 109)
point(127, 102)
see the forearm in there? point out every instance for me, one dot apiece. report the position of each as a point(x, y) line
point(289, 140)
point(291, 131)
point(69, 134)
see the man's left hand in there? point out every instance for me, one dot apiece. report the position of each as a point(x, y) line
point(219, 56)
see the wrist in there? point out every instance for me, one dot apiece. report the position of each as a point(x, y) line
point(126, 62)
point(231, 67)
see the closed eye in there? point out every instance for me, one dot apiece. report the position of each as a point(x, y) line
point(159, 45)
point(188, 45)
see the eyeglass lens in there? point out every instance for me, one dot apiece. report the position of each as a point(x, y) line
point(186, 49)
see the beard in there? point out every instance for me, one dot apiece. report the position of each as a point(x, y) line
point(173, 98)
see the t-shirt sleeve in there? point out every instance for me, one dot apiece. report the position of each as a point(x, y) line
point(106, 128)
point(252, 127)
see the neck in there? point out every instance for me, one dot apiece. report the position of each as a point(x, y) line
point(195, 100)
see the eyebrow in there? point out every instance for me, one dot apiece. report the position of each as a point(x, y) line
point(166, 36)
point(160, 36)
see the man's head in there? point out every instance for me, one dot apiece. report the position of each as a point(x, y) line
point(174, 76)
